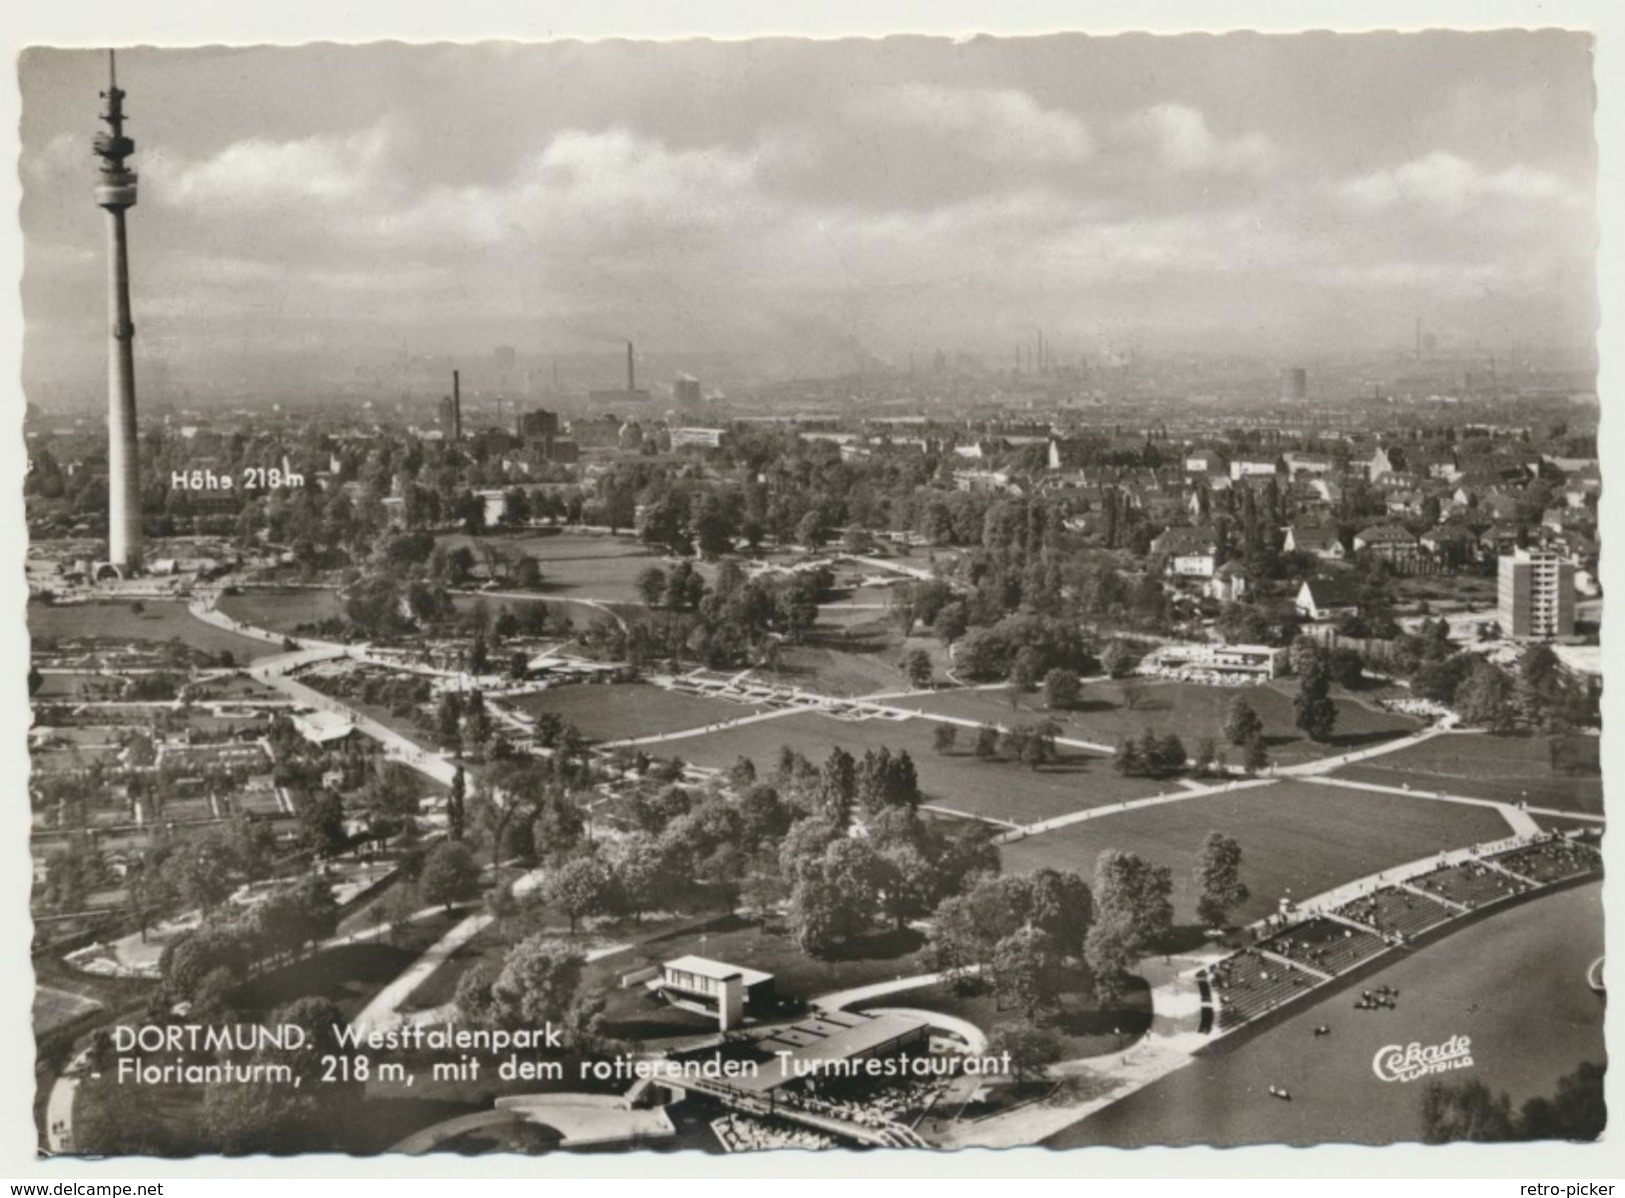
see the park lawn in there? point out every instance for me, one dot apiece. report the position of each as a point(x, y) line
point(57, 1008)
point(579, 612)
point(282, 611)
point(161, 620)
point(1295, 836)
point(1084, 1027)
point(68, 686)
point(1513, 982)
point(351, 975)
point(618, 711)
point(1001, 790)
point(1102, 715)
point(1507, 769)
point(582, 565)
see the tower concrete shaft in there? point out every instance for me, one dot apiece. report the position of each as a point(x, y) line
point(115, 194)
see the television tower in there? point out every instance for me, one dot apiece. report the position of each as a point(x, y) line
point(115, 194)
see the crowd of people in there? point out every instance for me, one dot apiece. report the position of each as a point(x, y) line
point(746, 1133)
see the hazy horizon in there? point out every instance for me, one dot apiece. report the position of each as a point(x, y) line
point(801, 204)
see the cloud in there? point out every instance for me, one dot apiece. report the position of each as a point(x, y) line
point(606, 185)
point(993, 124)
point(257, 172)
point(1451, 184)
point(1183, 141)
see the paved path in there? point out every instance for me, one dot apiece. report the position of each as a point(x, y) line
point(838, 1000)
point(1177, 796)
point(1520, 820)
point(1326, 765)
point(383, 1011)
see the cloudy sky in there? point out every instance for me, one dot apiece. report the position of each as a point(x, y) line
point(787, 199)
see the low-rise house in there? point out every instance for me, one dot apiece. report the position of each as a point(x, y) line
point(1394, 543)
point(1319, 539)
point(1229, 584)
point(1188, 552)
point(1328, 598)
point(1450, 545)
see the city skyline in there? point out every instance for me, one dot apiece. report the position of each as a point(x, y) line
point(810, 203)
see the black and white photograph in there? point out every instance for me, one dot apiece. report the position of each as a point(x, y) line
point(723, 596)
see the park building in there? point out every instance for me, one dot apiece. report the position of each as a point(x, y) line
point(1536, 593)
point(714, 988)
point(1219, 663)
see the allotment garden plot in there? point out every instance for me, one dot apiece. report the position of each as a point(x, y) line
point(1295, 836)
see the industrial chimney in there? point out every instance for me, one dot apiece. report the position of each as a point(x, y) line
point(631, 371)
point(456, 406)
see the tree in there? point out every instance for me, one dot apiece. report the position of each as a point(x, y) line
point(1313, 708)
point(1031, 1049)
point(457, 805)
point(1205, 758)
point(810, 530)
point(1577, 1112)
point(1255, 755)
point(1061, 688)
point(581, 888)
point(916, 665)
point(1026, 970)
point(537, 984)
point(837, 787)
point(951, 623)
point(1133, 911)
point(1118, 660)
point(1061, 906)
point(824, 913)
point(651, 584)
point(450, 875)
point(1218, 879)
point(1469, 1110)
point(943, 736)
point(1127, 759)
point(1241, 722)
point(1485, 697)
point(987, 742)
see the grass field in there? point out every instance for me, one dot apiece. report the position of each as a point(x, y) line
point(1508, 769)
point(1103, 716)
point(282, 611)
point(161, 620)
point(1294, 835)
point(1514, 983)
point(614, 712)
point(55, 1008)
point(582, 565)
point(1084, 1027)
point(1004, 790)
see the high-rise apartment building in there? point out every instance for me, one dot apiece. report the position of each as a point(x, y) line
point(1536, 594)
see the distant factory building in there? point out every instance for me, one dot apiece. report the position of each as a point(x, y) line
point(609, 400)
point(451, 411)
point(685, 392)
point(697, 438)
point(540, 425)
